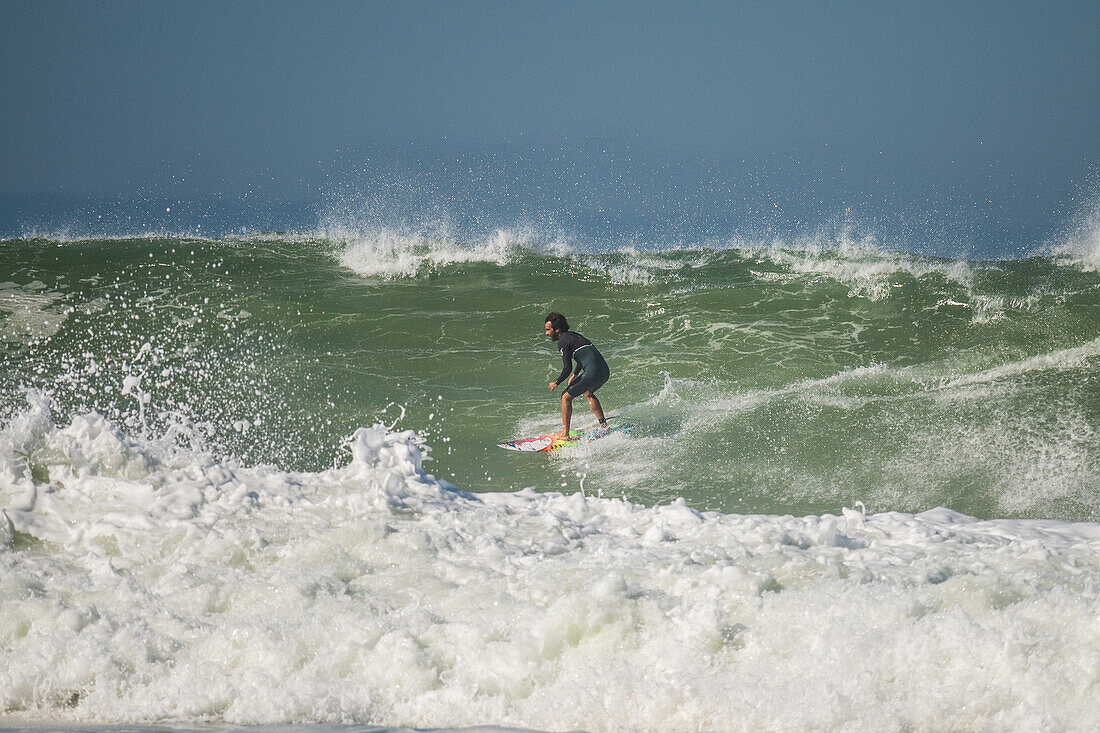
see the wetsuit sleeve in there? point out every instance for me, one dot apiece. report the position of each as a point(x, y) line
point(565, 345)
point(566, 358)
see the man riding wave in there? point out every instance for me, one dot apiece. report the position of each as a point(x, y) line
point(590, 374)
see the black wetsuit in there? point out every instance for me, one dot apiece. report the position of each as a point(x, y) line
point(590, 364)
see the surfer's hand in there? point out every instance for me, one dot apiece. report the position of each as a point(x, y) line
point(553, 386)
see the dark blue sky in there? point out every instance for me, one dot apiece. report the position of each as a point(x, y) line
point(994, 101)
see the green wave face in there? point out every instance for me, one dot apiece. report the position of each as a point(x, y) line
point(759, 379)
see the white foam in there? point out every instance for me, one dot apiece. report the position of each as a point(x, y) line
point(637, 266)
point(144, 583)
point(29, 312)
point(923, 432)
point(991, 308)
point(389, 253)
point(858, 262)
point(1074, 357)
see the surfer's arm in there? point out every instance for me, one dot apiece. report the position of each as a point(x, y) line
point(567, 361)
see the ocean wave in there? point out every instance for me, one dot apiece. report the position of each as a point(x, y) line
point(401, 253)
point(1075, 357)
point(390, 254)
point(80, 233)
point(859, 262)
point(1010, 437)
point(144, 582)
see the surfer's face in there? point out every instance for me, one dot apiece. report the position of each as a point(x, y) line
point(552, 332)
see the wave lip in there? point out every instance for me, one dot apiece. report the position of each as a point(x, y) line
point(858, 262)
point(391, 253)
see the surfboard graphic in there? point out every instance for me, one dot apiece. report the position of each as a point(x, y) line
point(550, 442)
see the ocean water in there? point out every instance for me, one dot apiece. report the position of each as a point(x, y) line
point(252, 480)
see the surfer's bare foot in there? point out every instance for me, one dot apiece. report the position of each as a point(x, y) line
point(564, 435)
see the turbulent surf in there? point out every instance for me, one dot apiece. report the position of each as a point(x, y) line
point(252, 479)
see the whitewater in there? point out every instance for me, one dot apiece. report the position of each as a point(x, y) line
point(251, 480)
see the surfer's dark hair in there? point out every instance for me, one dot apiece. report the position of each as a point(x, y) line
point(557, 321)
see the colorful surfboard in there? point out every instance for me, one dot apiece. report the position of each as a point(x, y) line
point(546, 443)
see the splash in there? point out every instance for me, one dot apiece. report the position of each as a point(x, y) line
point(1081, 244)
point(389, 253)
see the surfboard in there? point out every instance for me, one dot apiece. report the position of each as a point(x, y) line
point(550, 442)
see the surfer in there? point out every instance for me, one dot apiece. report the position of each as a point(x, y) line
point(590, 374)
